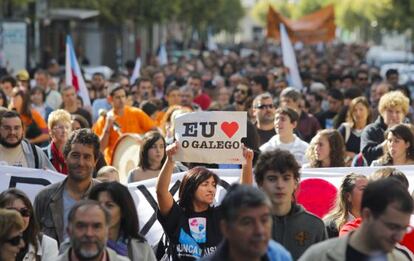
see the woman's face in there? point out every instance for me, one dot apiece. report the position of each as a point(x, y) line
point(393, 116)
point(60, 131)
point(156, 152)
point(37, 98)
point(206, 191)
point(106, 200)
point(397, 147)
point(322, 149)
point(19, 205)
point(8, 250)
point(360, 113)
point(355, 196)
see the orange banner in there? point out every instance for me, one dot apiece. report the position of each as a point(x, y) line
point(316, 27)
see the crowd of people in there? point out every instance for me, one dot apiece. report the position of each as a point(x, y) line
point(345, 114)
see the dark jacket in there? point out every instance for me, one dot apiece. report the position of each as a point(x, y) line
point(371, 138)
point(48, 206)
point(298, 230)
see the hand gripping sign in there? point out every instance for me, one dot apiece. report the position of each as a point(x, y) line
point(211, 137)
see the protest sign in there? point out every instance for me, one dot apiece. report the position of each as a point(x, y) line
point(211, 137)
point(31, 181)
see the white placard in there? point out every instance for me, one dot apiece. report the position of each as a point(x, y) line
point(211, 137)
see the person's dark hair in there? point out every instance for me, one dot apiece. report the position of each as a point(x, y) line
point(403, 132)
point(352, 93)
point(347, 76)
point(36, 89)
point(143, 79)
point(390, 72)
point(239, 197)
point(262, 80)
point(191, 180)
point(121, 196)
point(82, 121)
point(336, 94)
point(378, 195)
point(26, 107)
point(10, 114)
point(42, 71)
point(171, 88)
point(318, 98)
point(79, 98)
point(10, 79)
point(196, 75)
point(276, 160)
point(30, 234)
point(148, 107)
point(292, 114)
point(150, 138)
point(390, 172)
point(90, 203)
point(98, 74)
point(84, 137)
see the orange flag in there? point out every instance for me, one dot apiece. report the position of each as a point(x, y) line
point(316, 27)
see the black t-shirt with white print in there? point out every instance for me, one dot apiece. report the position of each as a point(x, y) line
point(192, 235)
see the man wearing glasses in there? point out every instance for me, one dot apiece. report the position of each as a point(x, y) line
point(386, 208)
point(264, 111)
point(14, 149)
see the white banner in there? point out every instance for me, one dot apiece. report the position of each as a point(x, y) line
point(211, 137)
point(145, 197)
point(31, 181)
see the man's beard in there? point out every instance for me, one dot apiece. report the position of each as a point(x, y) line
point(8, 144)
point(87, 254)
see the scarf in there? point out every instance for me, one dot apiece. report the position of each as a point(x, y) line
point(119, 246)
point(57, 160)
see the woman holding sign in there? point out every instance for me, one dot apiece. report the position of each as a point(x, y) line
point(192, 224)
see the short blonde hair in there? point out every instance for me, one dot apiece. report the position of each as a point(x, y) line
point(58, 116)
point(394, 99)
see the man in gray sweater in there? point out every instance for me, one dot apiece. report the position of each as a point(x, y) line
point(277, 174)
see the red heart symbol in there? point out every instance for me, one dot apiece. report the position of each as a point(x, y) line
point(230, 128)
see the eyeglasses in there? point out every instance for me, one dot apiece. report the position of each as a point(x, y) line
point(62, 127)
point(14, 241)
point(25, 212)
point(242, 91)
point(264, 106)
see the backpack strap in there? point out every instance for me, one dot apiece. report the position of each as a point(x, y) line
point(36, 156)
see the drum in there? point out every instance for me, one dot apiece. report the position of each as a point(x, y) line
point(126, 154)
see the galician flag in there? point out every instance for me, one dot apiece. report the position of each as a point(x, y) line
point(73, 73)
point(289, 59)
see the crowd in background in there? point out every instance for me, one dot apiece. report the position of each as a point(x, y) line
point(345, 114)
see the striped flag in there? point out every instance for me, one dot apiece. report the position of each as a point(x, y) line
point(73, 73)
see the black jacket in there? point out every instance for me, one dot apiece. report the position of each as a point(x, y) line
point(371, 139)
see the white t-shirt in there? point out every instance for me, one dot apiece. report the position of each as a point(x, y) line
point(298, 147)
point(13, 156)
